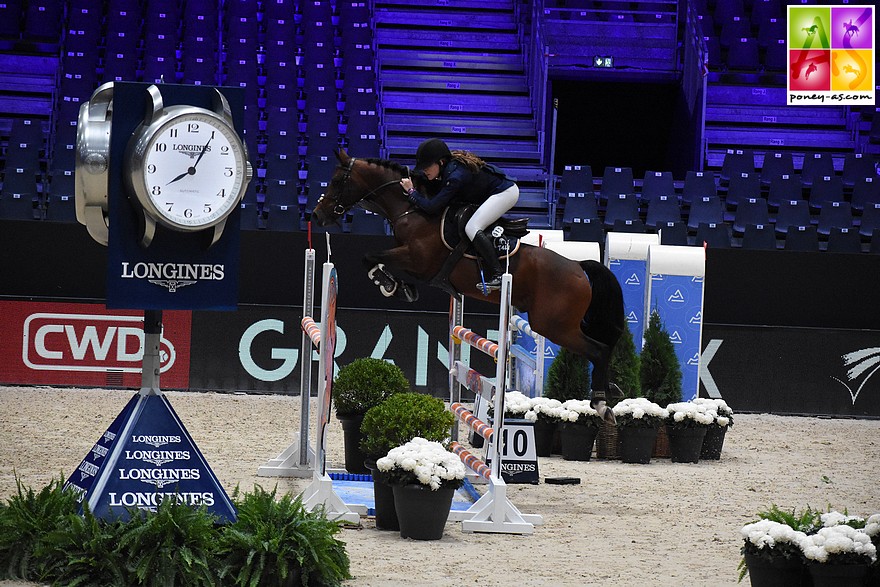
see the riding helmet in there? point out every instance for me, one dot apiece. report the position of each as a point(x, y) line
point(430, 152)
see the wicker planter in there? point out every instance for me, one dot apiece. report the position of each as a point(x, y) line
point(661, 445)
point(607, 442)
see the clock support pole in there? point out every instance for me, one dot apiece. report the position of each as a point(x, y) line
point(151, 362)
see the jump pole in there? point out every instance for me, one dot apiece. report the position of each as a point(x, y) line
point(493, 512)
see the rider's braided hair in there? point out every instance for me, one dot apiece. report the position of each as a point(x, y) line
point(471, 161)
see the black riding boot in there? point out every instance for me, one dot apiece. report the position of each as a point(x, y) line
point(490, 262)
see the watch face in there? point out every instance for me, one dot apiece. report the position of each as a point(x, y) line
point(193, 170)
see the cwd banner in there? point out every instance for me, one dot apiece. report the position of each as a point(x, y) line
point(831, 55)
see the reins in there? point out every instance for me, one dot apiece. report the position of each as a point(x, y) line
point(340, 209)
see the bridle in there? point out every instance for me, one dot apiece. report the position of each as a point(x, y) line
point(339, 209)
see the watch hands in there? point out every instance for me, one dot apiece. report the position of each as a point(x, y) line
point(202, 154)
point(192, 170)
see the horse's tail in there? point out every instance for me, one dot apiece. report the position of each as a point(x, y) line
point(605, 319)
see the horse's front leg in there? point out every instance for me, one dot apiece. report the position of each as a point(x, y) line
point(380, 267)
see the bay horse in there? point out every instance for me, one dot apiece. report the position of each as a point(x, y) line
point(577, 305)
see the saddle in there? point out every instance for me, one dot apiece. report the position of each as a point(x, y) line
point(454, 239)
point(452, 231)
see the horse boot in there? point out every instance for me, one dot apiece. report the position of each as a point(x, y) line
point(487, 253)
point(597, 402)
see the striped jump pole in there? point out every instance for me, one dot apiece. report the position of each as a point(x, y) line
point(493, 512)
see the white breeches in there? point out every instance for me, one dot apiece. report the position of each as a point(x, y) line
point(491, 210)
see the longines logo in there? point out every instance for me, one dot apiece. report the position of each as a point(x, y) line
point(191, 150)
point(173, 276)
point(859, 363)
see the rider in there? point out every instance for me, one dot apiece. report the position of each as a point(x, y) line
point(465, 178)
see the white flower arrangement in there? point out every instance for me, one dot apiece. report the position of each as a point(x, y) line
point(723, 413)
point(518, 404)
point(580, 412)
point(690, 415)
point(639, 411)
point(872, 527)
point(840, 543)
point(548, 409)
point(834, 518)
point(770, 534)
point(422, 461)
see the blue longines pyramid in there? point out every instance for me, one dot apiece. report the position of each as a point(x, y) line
point(144, 457)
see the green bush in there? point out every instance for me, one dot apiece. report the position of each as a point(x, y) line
point(24, 524)
point(568, 377)
point(365, 383)
point(401, 418)
point(660, 371)
point(625, 367)
point(277, 542)
point(273, 542)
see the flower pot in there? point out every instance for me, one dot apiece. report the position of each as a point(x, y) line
point(636, 444)
point(713, 442)
point(661, 445)
point(577, 441)
point(351, 438)
point(383, 499)
point(607, 442)
point(544, 432)
point(685, 443)
point(831, 575)
point(422, 513)
point(775, 572)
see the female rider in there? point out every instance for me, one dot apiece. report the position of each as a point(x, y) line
point(465, 178)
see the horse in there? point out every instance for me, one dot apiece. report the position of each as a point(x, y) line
point(577, 305)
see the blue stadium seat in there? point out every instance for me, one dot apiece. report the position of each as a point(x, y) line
point(750, 211)
point(622, 206)
point(713, 235)
point(657, 183)
point(363, 222)
point(856, 166)
point(705, 210)
point(865, 193)
point(816, 166)
point(587, 230)
point(828, 188)
point(616, 181)
point(776, 164)
point(283, 217)
point(802, 238)
point(575, 179)
point(625, 225)
point(784, 188)
point(742, 186)
point(844, 240)
point(698, 184)
point(759, 236)
point(792, 214)
point(579, 206)
point(870, 221)
point(834, 215)
point(661, 210)
point(736, 162)
point(673, 233)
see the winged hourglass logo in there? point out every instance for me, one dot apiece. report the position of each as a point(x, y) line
point(859, 362)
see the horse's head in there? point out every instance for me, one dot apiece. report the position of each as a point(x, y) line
point(355, 181)
point(341, 194)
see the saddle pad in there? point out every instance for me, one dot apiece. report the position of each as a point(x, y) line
point(452, 231)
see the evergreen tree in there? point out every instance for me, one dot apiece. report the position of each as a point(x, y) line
point(660, 371)
point(626, 366)
point(568, 377)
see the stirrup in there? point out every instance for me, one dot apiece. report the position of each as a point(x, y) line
point(493, 284)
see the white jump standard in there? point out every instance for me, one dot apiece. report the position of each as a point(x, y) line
point(493, 512)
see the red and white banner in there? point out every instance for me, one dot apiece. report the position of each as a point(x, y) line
point(85, 344)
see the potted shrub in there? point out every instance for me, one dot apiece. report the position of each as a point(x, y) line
point(579, 429)
point(772, 556)
point(638, 420)
point(714, 441)
point(360, 385)
point(686, 426)
point(424, 476)
point(394, 422)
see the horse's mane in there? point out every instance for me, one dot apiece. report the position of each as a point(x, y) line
point(388, 164)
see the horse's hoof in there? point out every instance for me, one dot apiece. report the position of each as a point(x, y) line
point(604, 411)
